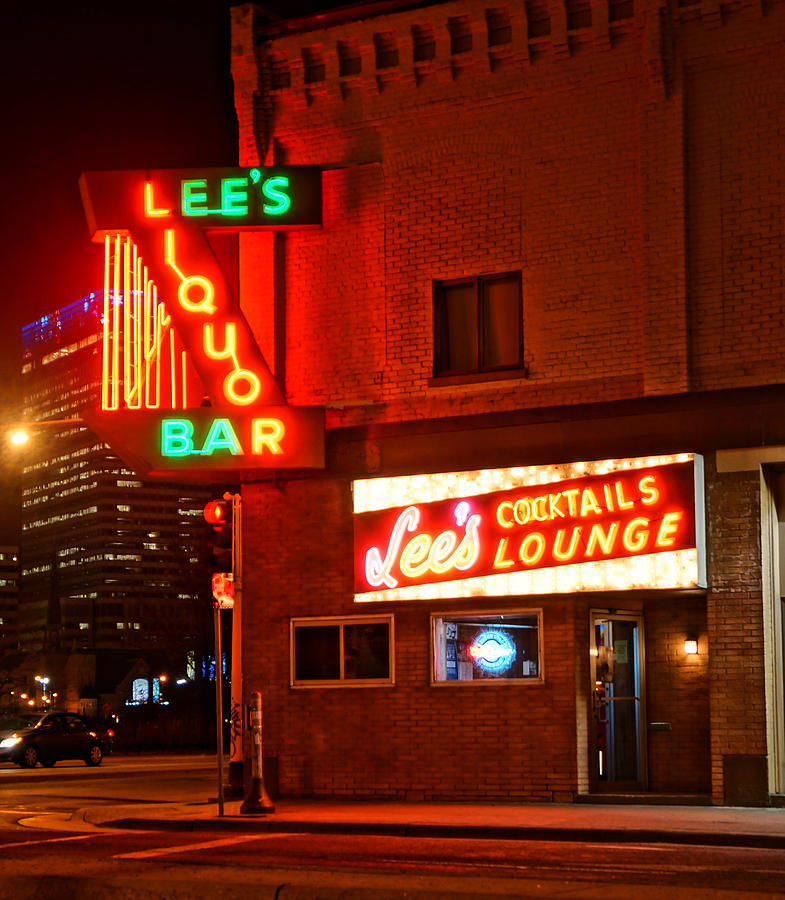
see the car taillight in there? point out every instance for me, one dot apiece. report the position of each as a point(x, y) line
point(109, 732)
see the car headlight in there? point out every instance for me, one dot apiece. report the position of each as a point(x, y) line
point(9, 742)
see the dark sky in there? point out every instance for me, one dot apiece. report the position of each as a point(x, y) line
point(96, 85)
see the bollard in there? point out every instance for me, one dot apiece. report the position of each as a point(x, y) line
point(256, 800)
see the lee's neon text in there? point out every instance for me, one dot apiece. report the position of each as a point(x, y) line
point(235, 197)
point(587, 519)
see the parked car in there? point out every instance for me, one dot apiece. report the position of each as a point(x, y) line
point(53, 737)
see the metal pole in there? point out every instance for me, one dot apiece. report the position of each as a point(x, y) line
point(257, 800)
point(236, 760)
point(219, 701)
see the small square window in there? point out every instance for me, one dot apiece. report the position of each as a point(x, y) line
point(478, 325)
point(477, 647)
point(354, 650)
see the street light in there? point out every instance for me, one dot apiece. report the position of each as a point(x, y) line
point(43, 680)
point(19, 432)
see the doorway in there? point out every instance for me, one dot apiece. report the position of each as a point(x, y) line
point(617, 733)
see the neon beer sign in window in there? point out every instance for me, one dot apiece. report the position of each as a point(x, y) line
point(174, 333)
point(599, 526)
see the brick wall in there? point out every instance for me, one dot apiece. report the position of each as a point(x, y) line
point(560, 152)
point(411, 738)
point(677, 692)
point(735, 622)
point(627, 159)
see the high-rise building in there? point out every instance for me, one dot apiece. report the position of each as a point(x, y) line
point(108, 561)
point(9, 593)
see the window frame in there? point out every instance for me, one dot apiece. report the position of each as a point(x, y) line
point(539, 679)
point(341, 621)
point(479, 369)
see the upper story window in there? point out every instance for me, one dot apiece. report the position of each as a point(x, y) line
point(478, 325)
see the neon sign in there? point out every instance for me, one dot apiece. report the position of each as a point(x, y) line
point(500, 538)
point(168, 357)
point(492, 651)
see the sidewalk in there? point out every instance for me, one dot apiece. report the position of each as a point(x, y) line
point(720, 826)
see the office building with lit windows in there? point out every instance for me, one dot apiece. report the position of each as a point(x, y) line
point(108, 562)
point(9, 596)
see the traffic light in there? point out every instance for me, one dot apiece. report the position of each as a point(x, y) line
point(218, 515)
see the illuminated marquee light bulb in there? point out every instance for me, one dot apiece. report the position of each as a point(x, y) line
point(404, 490)
point(673, 569)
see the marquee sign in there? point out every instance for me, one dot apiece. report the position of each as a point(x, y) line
point(174, 334)
point(610, 525)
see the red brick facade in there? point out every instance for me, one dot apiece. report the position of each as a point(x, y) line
point(626, 158)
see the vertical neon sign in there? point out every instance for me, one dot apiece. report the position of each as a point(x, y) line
point(157, 223)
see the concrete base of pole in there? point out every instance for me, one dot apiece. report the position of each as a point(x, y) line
point(236, 785)
point(257, 800)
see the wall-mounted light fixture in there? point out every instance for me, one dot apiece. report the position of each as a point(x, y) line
point(690, 646)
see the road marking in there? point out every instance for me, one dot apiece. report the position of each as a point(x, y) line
point(73, 837)
point(204, 845)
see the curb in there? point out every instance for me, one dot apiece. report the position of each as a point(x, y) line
point(472, 832)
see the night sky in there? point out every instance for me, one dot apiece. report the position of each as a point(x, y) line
point(96, 85)
point(99, 85)
point(91, 84)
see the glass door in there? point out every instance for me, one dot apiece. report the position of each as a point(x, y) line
point(617, 735)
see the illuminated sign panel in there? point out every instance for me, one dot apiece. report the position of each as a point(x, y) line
point(213, 438)
point(211, 198)
point(173, 332)
point(608, 525)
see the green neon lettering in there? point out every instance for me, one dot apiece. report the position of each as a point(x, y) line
point(176, 437)
point(234, 196)
point(280, 201)
point(194, 192)
point(222, 437)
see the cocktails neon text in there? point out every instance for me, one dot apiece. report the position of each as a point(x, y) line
point(573, 502)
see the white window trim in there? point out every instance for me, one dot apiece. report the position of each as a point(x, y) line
point(488, 682)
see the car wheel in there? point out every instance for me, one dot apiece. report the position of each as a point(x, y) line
point(94, 755)
point(29, 756)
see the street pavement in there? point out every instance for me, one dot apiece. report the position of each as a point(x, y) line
point(185, 805)
point(710, 825)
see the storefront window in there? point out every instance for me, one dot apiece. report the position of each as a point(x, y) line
point(341, 651)
point(473, 647)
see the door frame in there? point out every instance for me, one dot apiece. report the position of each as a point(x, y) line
point(617, 787)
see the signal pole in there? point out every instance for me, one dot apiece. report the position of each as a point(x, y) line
point(236, 757)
